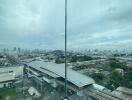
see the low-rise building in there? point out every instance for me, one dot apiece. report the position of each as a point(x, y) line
point(3, 61)
point(120, 71)
point(6, 80)
point(34, 93)
point(129, 64)
point(16, 70)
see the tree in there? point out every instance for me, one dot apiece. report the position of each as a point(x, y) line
point(76, 58)
point(59, 60)
point(116, 64)
point(115, 80)
point(98, 77)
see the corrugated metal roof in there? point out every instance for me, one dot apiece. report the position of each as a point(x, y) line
point(37, 67)
point(74, 77)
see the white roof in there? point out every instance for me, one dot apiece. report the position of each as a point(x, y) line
point(17, 70)
point(74, 77)
point(33, 91)
point(98, 87)
point(6, 77)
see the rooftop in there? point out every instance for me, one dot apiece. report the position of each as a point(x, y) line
point(6, 77)
point(59, 70)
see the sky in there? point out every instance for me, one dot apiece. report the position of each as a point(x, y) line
point(92, 24)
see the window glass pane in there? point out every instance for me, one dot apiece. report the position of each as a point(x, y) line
point(33, 60)
point(99, 41)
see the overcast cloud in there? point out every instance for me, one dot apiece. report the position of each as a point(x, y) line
point(91, 24)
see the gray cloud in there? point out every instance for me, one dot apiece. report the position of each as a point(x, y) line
point(40, 24)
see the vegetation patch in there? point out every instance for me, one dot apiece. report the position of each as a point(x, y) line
point(10, 94)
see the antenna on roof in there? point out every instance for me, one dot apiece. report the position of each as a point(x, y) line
point(65, 50)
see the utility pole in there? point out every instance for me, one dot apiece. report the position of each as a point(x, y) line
point(65, 50)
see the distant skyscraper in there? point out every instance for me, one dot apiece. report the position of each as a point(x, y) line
point(19, 50)
point(14, 49)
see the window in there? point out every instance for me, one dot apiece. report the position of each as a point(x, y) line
point(4, 85)
point(66, 49)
